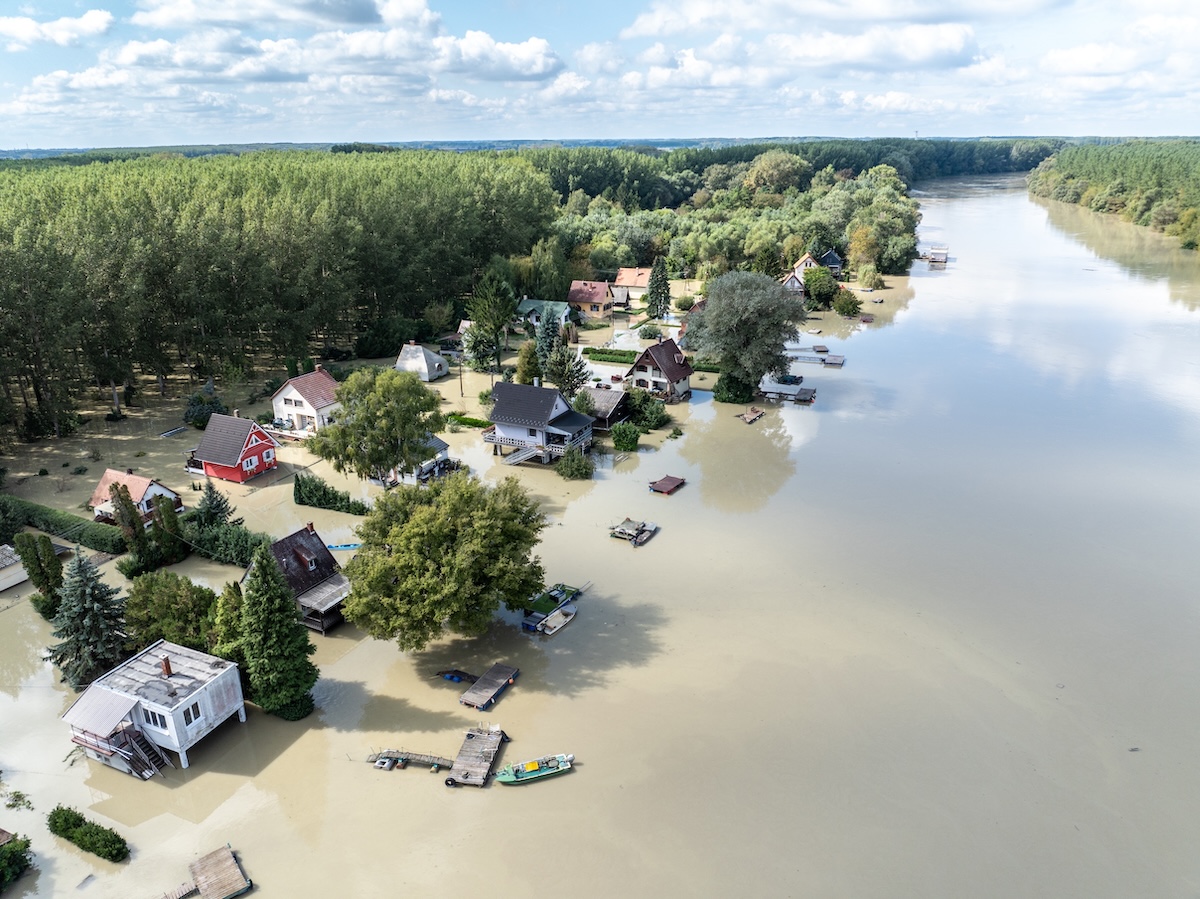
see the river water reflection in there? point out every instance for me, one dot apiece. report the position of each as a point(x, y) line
point(902, 643)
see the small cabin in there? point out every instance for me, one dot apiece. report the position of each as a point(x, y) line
point(233, 449)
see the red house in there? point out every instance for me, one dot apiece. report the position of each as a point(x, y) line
point(233, 449)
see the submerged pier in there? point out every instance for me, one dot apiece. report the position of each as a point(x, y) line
point(487, 689)
point(477, 757)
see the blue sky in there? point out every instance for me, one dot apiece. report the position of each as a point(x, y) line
point(153, 72)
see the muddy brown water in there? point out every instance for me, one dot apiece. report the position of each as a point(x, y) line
point(904, 642)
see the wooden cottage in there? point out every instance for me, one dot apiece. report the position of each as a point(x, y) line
point(536, 422)
point(611, 406)
point(314, 577)
point(167, 697)
point(233, 449)
point(663, 370)
point(142, 491)
point(306, 403)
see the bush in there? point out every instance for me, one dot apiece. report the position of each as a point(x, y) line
point(625, 437)
point(229, 543)
point(296, 709)
point(847, 304)
point(42, 472)
point(675, 432)
point(265, 418)
point(645, 411)
point(575, 465)
point(683, 304)
point(14, 859)
point(46, 606)
point(869, 277)
point(87, 835)
point(467, 421)
point(79, 469)
point(310, 490)
point(729, 389)
point(650, 332)
point(200, 409)
point(100, 537)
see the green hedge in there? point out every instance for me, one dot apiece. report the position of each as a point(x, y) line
point(310, 490)
point(87, 835)
point(599, 354)
point(703, 366)
point(101, 537)
point(228, 543)
point(467, 421)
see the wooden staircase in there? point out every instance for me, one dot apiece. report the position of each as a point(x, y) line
point(522, 455)
point(144, 757)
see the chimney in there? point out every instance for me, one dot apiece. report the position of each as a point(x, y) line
point(235, 413)
point(311, 529)
point(319, 367)
point(128, 471)
point(166, 664)
point(412, 343)
point(537, 382)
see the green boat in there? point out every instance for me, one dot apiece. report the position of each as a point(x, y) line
point(526, 772)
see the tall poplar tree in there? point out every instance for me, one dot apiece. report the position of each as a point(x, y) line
point(90, 622)
point(274, 642)
point(658, 290)
point(45, 571)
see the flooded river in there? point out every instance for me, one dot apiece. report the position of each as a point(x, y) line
point(936, 635)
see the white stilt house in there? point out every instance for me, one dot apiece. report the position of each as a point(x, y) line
point(167, 697)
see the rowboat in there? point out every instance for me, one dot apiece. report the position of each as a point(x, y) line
point(557, 620)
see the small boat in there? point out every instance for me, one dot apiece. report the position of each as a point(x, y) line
point(814, 330)
point(557, 620)
point(649, 529)
point(524, 772)
point(627, 529)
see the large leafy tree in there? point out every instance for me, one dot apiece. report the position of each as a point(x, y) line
point(90, 623)
point(658, 290)
point(820, 286)
point(163, 605)
point(385, 423)
point(274, 644)
point(443, 558)
point(745, 326)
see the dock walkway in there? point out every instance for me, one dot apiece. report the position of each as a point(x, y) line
point(402, 757)
point(488, 688)
point(217, 875)
point(477, 757)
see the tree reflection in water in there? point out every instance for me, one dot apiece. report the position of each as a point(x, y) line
point(741, 466)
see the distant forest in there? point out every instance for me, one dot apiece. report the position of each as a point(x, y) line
point(121, 265)
point(1151, 183)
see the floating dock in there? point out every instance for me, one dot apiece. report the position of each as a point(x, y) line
point(487, 689)
point(214, 876)
point(477, 757)
point(667, 485)
point(802, 395)
point(399, 758)
point(828, 361)
point(751, 415)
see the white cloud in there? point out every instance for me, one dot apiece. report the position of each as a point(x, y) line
point(599, 57)
point(478, 54)
point(22, 31)
point(1091, 60)
point(182, 14)
point(568, 85)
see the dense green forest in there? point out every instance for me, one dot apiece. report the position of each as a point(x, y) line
point(116, 266)
point(1152, 183)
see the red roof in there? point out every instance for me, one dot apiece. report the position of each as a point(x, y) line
point(316, 388)
point(633, 277)
point(137, 485)
point(588, 292)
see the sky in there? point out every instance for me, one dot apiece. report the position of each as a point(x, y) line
point(105, 73)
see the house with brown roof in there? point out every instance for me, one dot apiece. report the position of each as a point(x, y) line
point(305, 403)
point(314, 576)
point(591, 299)
point(609, 406)
point(635, 280)
point(142, 491)
point(233, 449)
point(663, 370)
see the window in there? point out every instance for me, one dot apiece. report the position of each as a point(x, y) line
point(595, 308)
point(533, 432)
point(155, 719)
point(250, 464)
point(268, 455)
point(288, 401)
point(191, 714)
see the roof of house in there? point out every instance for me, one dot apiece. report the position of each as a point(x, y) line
point(620, 294)
point(667, 358)
point(417, 358)
point(587, 292)
point(315, 387)
point(633, 277)
point(523, 404)
point(605, 401)
point(830, 259)
point(225, 437)
point(556, 309)
point(304, 559)
point(8, 556)
point(141, 678)
point(570, 422)
point(436, 444)
point(137, 485)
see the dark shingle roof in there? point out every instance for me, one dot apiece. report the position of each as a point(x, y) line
point(294, 554)
point(317, 388)
point(667, 358)
point(523, 404)
point(223, 439)
point(571, 422)
point(605, 401)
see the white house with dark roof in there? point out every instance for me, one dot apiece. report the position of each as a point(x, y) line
point(142, 491)
point(305, 403)
point(167, 697)
point(535, 422)
point(533, 310)
point(662, 369)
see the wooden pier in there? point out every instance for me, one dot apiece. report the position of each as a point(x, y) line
point(477, 757)
point(401, 758)
point(488, 688)
point(828, 361)
point(803, 395)
point(217, 875)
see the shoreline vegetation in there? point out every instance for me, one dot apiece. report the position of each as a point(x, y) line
point(123, 270)
point(1155, 184)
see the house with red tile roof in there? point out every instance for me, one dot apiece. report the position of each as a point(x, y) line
point(635, 280)
point(306, 403)
point(142, 491)
point(591, 299)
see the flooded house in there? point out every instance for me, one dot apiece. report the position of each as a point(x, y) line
point(233, 449)
point(305, 403)
point(162, 701)
point(142, 491)
point(591, 299)
point(663, 370)
point(314, 577)
point(425, 364)
point(535, 421)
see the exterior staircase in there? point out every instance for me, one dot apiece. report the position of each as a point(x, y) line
point(522, 455)
point(145, 757)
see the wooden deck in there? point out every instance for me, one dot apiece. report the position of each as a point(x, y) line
point(477, 757)
point(403, 757)
point(488, 688)
point(219, 876)
point(751, 415)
